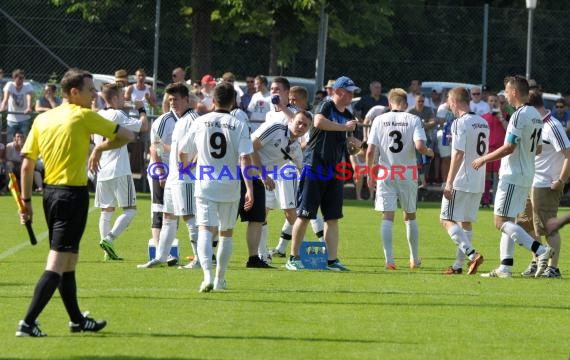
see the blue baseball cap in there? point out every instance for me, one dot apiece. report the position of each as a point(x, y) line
point(344, 82)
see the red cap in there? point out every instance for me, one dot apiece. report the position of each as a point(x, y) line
point(208, 79)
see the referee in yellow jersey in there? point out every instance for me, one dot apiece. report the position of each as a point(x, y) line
point(61, 136)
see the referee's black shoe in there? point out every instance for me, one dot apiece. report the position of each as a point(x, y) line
point(29, 330)
point(88, 324)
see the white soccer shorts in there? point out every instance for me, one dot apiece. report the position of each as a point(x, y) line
point(510, 199)
point(179, 199)
point(463, 206)
point(222, 215)
point(117, 192)
point(388, 192)
point(284, 196)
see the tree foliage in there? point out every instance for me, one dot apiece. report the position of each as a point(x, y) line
point(284, 23)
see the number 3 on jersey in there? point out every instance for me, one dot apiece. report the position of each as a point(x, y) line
point(219, 144)
point(397, 144)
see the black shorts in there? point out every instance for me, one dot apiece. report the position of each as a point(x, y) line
point(65, 209)
point(257, 212)
point(157, 198)
point(316, 190)
point(157, 192)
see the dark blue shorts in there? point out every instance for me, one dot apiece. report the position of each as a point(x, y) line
point(65, 209)
point(315, 191)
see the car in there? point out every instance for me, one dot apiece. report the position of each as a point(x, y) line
point(100, 79)
point(307, 83)
point(549, 99)
point(428, 86)
point(38, 88)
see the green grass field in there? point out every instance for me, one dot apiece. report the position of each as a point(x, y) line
point(368, 313)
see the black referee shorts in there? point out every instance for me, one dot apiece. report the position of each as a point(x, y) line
point(65, 209)
point(257, 212)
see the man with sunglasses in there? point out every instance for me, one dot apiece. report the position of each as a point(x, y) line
point(477, 104)
point(249, 91)
point(561, 113)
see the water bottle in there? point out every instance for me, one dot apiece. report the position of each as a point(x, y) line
point(159, 146)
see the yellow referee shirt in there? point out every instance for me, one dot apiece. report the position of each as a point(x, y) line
point(61, 136)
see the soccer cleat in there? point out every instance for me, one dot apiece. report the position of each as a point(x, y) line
point(294, 264)
point(542, 260)
point(109, 249)
point(474, 265)
point(530, 270)
point(276, 253)
point(206, 287)
point(415, 264)
point(88, 325)
point(220, 285)
point(26, 330)
point(256, 262)
point(551, 272)
point(496, 273)
point(390, 266)
point(150, 264)
point(194, 264)
point(171, 260)
point(337, 266)
point(451, 271)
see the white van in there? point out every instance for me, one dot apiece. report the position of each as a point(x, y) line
point(445, 86)
point(308, 84)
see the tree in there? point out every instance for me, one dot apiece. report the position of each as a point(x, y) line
point(285, 23)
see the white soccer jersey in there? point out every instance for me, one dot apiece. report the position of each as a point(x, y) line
point(175, 176)
point(219, 139)
point(443, 111)
point(279, 116)
point(241, 116)
point(161, 130)
point(276, 149)
point(258, 107)
point(394, 134)
point(295, 153)
point(470, 134)
point(375, 111)
point(115, 163)
point(549, 162)
point(526, 126)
